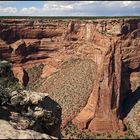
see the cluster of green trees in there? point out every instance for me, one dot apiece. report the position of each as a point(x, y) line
point(7, 79)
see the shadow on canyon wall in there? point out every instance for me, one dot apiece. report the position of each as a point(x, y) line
point(51, 105)
point(130, 97)
point(4, 114)
point(132, 100)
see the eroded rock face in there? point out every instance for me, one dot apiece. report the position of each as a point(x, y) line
point(101, 108)
point(48, 70)
point(30, 110)
point(105, 103)
point(19, 47)
point(113, 44)
point(8, 132)
point(21, 75)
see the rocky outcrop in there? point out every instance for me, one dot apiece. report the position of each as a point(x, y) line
point(21, 75)
point(19, 48)
point(26, 110)
point(22, 50)
point(8, 132)
point(5, 50)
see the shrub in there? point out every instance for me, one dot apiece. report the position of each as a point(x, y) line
point(3, 95)
point(7, 79)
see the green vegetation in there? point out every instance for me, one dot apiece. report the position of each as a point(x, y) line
point(71, 132)
point(3, 95)
point(67, 17)
point(8, 82)
point(7, 79)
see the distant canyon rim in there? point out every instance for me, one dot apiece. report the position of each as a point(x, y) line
point(113, 45)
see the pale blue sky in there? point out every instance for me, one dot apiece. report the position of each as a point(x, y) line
point(70, 8)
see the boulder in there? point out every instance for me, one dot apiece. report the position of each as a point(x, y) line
point(32, 110)
point(8, 132)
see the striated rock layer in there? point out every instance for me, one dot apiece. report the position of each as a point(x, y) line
point(113, 44)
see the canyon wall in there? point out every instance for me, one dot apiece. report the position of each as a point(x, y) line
point(113, 44)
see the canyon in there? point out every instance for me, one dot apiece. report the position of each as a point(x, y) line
point(101, 58)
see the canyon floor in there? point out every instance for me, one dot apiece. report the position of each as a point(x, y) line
point(70, 78)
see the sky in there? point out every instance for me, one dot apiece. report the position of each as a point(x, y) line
point(69, 8)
